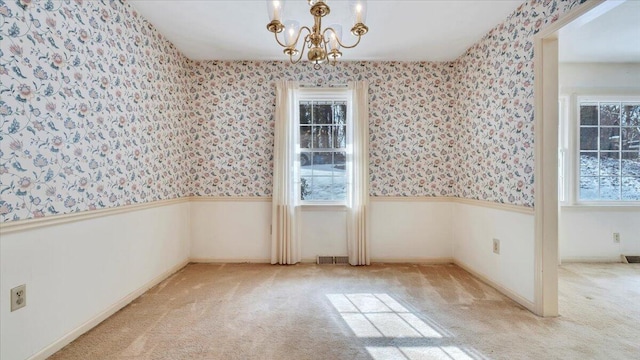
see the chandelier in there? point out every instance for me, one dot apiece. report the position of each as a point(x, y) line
point(323, 44)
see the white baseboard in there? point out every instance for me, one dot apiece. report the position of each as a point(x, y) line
point(229, 261)
point(591, 259)
point(91, 323)
point(529, 305)
point(427, 261)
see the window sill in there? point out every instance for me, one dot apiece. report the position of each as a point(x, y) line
point(323, 207)
point(602, 207)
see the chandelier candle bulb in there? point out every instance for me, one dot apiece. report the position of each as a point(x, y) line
point(291, 32)
point(275, 8)
point(335, 37)
point(359, 11)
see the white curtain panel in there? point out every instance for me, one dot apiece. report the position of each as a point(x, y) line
point(285, 235)
point(358, 213)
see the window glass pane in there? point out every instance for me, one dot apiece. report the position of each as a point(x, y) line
point(631, 188)
point(630, 163)
point(609, 114)
point(588, 188)
point(340, 160)
point(589, 164)
point(609, 138)
point(305, 137)
point(339, 190)
point(322, 112)
point(305, 162)
point(305, 112)
point(631, 115)
point(322, 161)
point(320, 189)
point(321, 137)
point(609, 188)
point(340, 112)
point(610, 164)
point(589, 114)
point(339, 135)
point(306, 183)
point(631, 138)
point(588, 138)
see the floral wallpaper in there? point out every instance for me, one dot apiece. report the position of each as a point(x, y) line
point(410, 106)
point(99, 110)
point(494, 108)
point(93, 110)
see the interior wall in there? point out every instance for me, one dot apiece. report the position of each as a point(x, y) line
point(411, 146)
point(231, 230)
point(475, 227)
point(402, 229)
point(598, 77)
point(495, 140)
point(89, 120)
point(586, 233)
point(411, 230)
point(74, 272)
point(410, 124)
point(94, 116)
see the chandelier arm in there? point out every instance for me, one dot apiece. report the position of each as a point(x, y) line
point(278, 40)
point(297, 37)
point(338, 39)
point(301, 52)
point(349, 47)
point(300, 33)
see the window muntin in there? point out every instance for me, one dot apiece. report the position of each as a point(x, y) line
point(609, 151)
point(322, 133)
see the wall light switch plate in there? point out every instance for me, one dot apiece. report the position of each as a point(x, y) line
point(18, 297)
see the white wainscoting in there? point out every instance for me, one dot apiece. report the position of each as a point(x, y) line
point(81, 268)
point(411, 230)
point(512, 271)
point(402, 230)
point(231, 229)
point(586, 233)
point(80, 272)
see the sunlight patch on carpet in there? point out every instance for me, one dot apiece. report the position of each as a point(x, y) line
point(374, 317)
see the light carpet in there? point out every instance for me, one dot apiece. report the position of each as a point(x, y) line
point(250, 311)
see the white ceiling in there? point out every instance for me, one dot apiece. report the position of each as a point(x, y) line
point(427, 30)
point(608, 33)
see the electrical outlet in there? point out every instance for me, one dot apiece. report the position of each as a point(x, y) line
point(18, 297)
point(616, 238)
point(496, 246)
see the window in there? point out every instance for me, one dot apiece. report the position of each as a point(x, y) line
point(323, 121)
point(609, 150)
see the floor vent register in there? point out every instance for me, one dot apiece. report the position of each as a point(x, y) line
point(333, 260)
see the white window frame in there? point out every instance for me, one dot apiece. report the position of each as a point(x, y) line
point(324, 94)
point(564, 145)
point(575, 129)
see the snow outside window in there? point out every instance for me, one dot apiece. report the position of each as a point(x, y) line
point(609, 151)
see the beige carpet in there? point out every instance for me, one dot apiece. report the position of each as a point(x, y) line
point(246, 311)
